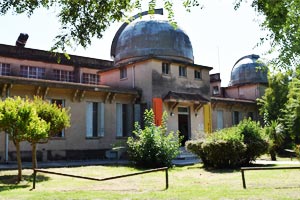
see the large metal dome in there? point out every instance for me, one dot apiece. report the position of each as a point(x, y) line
point(144, 38)
point(248, 70)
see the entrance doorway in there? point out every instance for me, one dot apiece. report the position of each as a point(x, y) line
point(183, 124)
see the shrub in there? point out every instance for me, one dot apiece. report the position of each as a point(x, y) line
point(231, 147)
point(253, 139)
point(297, 151)
point(275, 133)
point(223, 149)
point(152, 146)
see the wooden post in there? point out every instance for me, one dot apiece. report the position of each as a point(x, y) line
point(243, 178)
point(167, 179)
point(34, 179)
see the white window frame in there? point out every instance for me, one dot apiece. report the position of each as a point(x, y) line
point(165, 68)
point(198, 72)
point(182, 71)
point(63, 105)
point(90, 120)
point(63, 75)
point(92, 79)
point(123, 73)
point(220, 119)
point(4, 69)
point(32, 72)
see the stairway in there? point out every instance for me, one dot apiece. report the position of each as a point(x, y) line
point(185, 158)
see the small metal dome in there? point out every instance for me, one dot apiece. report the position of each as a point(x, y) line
point(248, 70)
point(157, 38)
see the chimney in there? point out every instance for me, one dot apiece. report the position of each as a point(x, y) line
point(22, 39)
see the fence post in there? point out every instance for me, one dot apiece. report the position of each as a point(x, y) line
point(167, 179)
point(34, 178)
point(243, 178)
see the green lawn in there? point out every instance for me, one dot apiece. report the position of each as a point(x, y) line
point(191, 182)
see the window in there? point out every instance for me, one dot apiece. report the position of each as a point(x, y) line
point(216, 90)
point(94, 119)
point(197, 74)
point(61, 104)
point(4, 69)
point(220, 123)
point(92, 79)
point(63, 75)
point(182, 71)
point(124, 119)
point(250, 115)
point(183, 110)
point(165, 67)
point(32, 72)
point(235, 118)
point(123, 73)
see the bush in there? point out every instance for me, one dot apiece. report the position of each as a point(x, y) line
point(297, 151)
point(152, 146)
point(223, 149)
point(231, 147)
point(253, 139)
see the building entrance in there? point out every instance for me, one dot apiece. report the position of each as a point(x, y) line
point(183, 125)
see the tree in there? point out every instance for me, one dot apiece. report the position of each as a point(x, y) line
point(152, 146)
point(291, 118)
point(273, 101)
point(57, 119)
point(274, 131)
point(19, 119)
point(81, 20)
point(282, 19)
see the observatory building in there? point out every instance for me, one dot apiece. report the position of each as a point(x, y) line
point(152, 67)
point(231, 104)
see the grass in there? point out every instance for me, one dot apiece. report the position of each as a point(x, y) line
point(192, 182)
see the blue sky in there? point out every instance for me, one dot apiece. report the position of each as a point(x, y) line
point(219, 34)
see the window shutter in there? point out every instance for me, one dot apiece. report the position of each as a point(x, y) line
point(101, 119)
point(119, 120)
point(137, 113)
point(89, 119)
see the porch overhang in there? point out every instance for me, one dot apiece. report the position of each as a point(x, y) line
point(174, 98)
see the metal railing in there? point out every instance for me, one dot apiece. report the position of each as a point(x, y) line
point(261, 168)
point(35, 171)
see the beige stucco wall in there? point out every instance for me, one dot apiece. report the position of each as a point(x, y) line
point(147, 76)
point(228, 109)
point(249, 91)
point(75, 136)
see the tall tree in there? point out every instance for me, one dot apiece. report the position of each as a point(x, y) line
point(57, 118)
point(275, 97)
point(81, 20)
point(18, 118)
point(291, 118)
point(282, 19)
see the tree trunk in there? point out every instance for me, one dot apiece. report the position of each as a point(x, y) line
point(34, 161)
point(273, 155)
point(17, 144)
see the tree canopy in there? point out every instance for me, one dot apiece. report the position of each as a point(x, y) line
point(81, 20)
point(20, 120)
point(282, 19)
point(32, 121)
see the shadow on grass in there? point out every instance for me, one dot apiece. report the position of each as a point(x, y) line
point(229, 170)
point(9, 182)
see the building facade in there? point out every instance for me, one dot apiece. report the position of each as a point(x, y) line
point(152, 67)
point(236, 102)
point(106, 97)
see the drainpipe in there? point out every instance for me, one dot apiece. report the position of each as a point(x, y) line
point(6, 148)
